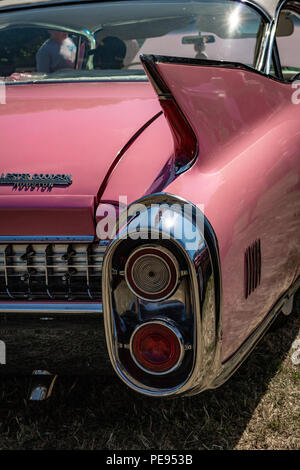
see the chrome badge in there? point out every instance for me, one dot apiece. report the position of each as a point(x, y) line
point(25, 180)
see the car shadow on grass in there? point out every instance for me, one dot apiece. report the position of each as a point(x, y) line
point(97, 413)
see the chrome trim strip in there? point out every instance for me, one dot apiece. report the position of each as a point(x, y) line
point(264, 46)
point(51, 309)
point(272, 34)
point(46, 238)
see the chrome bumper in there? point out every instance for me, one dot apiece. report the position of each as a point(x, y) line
point(48, 309)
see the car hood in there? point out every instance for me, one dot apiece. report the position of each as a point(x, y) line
point(76, 129)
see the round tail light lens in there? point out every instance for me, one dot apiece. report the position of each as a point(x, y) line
point(152, 273)
point(156, 348)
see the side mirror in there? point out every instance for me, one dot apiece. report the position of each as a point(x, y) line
point(285, 26)
point(198, 39)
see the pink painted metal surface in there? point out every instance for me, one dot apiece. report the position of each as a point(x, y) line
point(74, 129)
point(141, 164)
point(247, 176)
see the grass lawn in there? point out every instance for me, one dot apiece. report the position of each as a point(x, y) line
point(258, 408)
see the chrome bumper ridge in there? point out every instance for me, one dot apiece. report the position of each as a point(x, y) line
point(46, 309)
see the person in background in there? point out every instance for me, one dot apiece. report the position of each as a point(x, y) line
point(57, 53)
point(110, 54)
point(199, 48)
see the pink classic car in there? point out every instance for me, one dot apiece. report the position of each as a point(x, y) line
point(149, 187)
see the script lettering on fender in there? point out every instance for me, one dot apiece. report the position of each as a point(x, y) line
point(26, 180)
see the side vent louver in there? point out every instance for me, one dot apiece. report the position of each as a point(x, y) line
point(252, 267)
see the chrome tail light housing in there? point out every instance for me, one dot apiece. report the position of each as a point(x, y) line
point(161, 298)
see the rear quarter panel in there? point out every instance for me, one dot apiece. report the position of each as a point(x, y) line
point(247, 177)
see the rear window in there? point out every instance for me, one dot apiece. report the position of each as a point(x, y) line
point(103, 41)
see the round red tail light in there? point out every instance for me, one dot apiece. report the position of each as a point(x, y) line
point(152, 273)
point(156, 347)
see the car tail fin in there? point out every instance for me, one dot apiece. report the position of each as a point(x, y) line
point(185, 141)
point(215, 109)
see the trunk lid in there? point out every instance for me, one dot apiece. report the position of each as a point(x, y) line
point(74, 129)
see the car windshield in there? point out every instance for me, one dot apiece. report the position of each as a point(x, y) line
point(103, 41)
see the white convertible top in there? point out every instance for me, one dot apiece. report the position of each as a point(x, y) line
point(268, 5)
